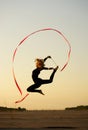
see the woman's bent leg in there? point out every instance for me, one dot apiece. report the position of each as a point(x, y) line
point(33, 87)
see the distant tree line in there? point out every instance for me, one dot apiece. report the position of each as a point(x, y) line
point(12, 109)
point(81, 107)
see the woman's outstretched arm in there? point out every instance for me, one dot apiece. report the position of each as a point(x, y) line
point(46, 68)
point(47, 58)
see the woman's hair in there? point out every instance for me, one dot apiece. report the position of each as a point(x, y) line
point(39, 63)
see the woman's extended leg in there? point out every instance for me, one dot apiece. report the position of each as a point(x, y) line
point(51, 77)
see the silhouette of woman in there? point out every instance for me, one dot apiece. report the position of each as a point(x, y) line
point(38, 81)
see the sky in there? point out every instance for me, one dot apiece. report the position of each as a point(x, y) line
point(18, 18)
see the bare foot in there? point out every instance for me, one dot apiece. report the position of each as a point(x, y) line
point(56, 68)
point(40, 91)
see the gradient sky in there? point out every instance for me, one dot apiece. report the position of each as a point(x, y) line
point(19, 18)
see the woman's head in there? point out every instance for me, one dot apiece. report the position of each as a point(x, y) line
point(39, 63)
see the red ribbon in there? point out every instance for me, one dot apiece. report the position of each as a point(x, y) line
point(15, 51)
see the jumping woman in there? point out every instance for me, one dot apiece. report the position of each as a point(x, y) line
point(38, 81)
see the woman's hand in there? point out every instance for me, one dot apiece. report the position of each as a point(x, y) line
point(48, 56)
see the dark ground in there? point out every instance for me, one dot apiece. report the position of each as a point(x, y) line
point(61, 119)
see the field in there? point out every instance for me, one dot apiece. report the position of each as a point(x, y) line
point(55, 119)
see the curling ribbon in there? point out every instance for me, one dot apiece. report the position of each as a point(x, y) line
point(15, 51)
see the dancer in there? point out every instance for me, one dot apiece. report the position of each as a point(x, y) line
point(38, 81)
